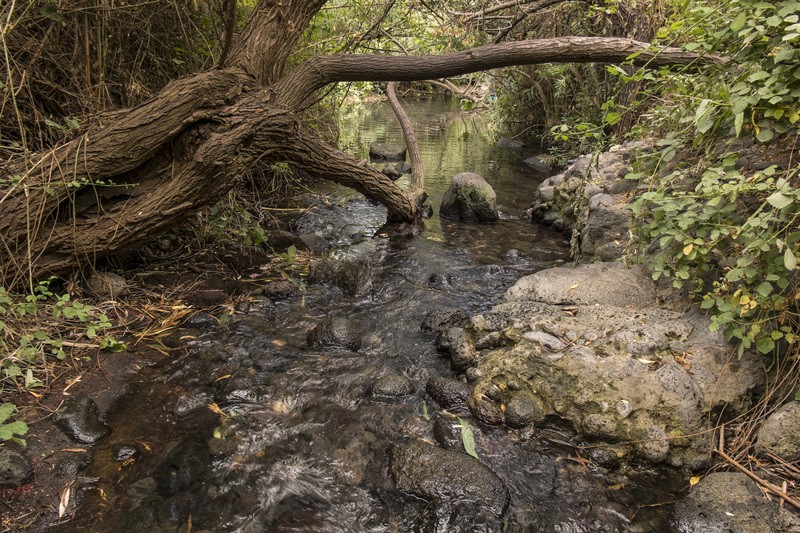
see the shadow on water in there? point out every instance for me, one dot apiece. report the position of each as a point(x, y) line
point(302, 444)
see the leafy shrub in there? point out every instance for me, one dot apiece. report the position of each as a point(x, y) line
point(728, 234)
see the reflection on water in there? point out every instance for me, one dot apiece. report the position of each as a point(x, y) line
point(454, 141)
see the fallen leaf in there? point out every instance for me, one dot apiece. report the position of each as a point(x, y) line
point(63, 502)
point(694, 480)
point(618, 486)
point(226, 376)
point(279, 343)
point(215, 408)
point(573, 287)
point(467, 438)
point(74, 450)
point(34, 394)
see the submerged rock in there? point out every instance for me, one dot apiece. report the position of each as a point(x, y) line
point(393, 385)
point(540, 164)
point(79, 419)
point(439, 320)
point(335, 331)
point(511, 144)
point(780, 434)
point(184, 468)
point(469, 199)
point(386, 152)
point(449, 476)
point(727, 502)
point(15, 468)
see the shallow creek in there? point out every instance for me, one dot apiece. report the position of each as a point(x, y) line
point(305, 446)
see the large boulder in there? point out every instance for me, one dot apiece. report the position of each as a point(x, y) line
point(593, 347)
point(434, 473)
point(79, 419)
point(469, 199)
point(590, 199)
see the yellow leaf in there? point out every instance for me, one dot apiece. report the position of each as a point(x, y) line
point(618, 486)
point(279, 343)
point(688, 248)
point(573, 287)
point(694, 480)
point(215, 408)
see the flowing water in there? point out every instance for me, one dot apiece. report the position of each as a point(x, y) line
point(304, 445)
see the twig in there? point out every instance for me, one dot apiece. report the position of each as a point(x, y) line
point(764, 483)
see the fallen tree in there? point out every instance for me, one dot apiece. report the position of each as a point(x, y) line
point(139, 171)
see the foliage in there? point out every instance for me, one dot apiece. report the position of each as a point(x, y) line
point(36, 327)
point(726, 233)
point(582, 106)
point(63, 61)
point(11, 430)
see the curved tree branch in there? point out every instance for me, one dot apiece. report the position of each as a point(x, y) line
point(301, 83)
point(417, 171)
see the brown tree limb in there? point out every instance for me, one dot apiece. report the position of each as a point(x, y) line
point(412, 144)
point(316, 157)
point(322, 70)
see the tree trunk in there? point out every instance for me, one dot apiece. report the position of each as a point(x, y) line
point(138, 171)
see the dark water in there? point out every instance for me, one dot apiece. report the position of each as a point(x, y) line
point(302, 445)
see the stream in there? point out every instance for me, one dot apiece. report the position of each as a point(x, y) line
point(302, 444)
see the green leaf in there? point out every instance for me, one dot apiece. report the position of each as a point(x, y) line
point(6, 410)
point(738, 22)
point(765, 345)
point(764, 289)
point(7, 431)
point(738, 122)
point(779, 200)
point(765, 135)
point(467, 438)
point(789, 259)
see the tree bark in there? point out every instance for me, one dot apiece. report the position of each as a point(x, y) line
point(141, 170)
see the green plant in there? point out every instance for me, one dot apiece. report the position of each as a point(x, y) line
point(11, 430)
point(41, 325)
point(729, 235)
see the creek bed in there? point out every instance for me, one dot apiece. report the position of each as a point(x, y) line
point(303, 444)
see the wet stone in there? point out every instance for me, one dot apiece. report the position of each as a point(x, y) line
point(392, 385)
point(446, 433)
point(279, 290)
point(433, 473)
point(123, 452)
point(449, 393)
point(15, 468)
point(439, 320)
point(79, 419)
point(72, 464)
point(335, 331)
point(523, 411)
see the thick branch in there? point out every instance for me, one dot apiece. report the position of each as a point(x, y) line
point(300, 84)
point(322, 160)
point(417, 171)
